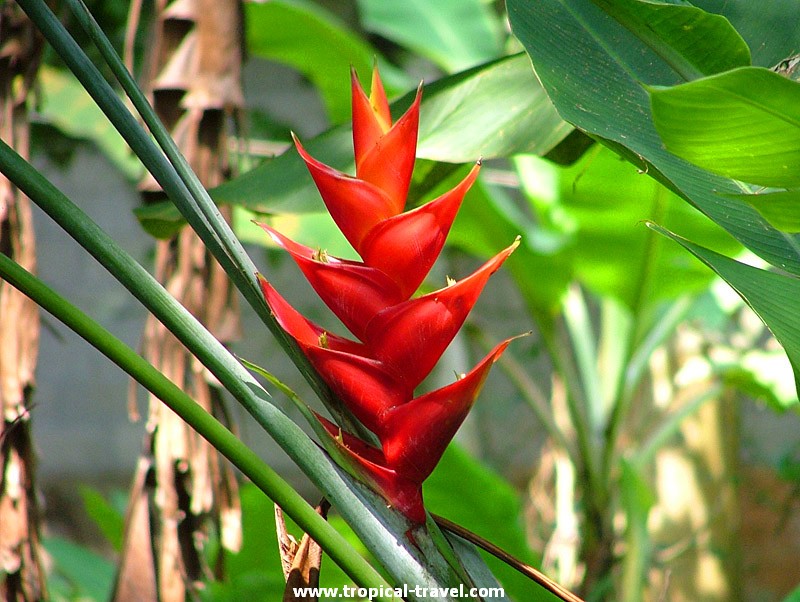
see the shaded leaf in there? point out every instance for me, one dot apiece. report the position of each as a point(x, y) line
point(693, 41)
point(498, 517)
point(109, 520)
point(88, 574)
point(743, 124)
point(487, 217)
point(781, 209)
point(774, 297)
point(592, 69)
point(68, 106)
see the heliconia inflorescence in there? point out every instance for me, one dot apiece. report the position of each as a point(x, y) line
point(399, 337)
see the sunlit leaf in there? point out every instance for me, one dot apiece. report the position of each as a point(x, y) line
point(601, 202)
point(743, 124)
point(455, 34)
point(774, 297)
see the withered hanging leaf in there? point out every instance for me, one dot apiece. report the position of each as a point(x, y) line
point(190, 485)
point(301, 561)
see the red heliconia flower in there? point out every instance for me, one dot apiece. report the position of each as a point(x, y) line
point(399, 337)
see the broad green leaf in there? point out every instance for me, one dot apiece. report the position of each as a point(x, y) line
point(781, 209)
point(495, 111)
point(774, 297)
point(313, 41)
point(66, 105)
point(764, 25)
point(593, 70)
point(743, 124)
point(455, 34)
point(693, 41)
point(463, 117)
point(601, 203)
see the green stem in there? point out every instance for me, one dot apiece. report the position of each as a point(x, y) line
point(176, 178)
point(376, 525)
point(206, 425)
point(625, 389)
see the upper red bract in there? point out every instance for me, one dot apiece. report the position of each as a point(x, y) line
point(399, 338)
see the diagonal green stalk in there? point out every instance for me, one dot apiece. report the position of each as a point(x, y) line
point(218, 435)
point(173, 173)
point(379, 527)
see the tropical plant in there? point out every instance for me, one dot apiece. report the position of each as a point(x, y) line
point(609, 370)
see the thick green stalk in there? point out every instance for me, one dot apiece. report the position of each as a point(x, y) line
point(173, 173)
point(220, 437)
point(379, 527)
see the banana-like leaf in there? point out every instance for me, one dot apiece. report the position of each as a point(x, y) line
point(693, 41)
point(774, 297)
point(743, 124)
point(455, 34)
point(594, 70)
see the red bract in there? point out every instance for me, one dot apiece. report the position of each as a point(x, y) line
point(399, 337)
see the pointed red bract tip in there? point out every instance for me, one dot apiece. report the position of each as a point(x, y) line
point(417, 433)
point(410, 337)
point(406, 246)
point(389, 162)
point(355, 292)
point(378, 100)
point(355, 205)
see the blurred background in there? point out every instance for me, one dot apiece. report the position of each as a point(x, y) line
point(671, 373)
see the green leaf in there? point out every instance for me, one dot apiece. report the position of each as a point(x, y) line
point(65, 104)
point(488, 219)
point(781, 209)
point(492, 111)
point(760, 21)
point(310, 39)
point(593, 68)
point(600, 203)
point(455, 34)
point(692, 41)
point(774, 297)
point(87, 574)
point(743, 124)
point(105, 515)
